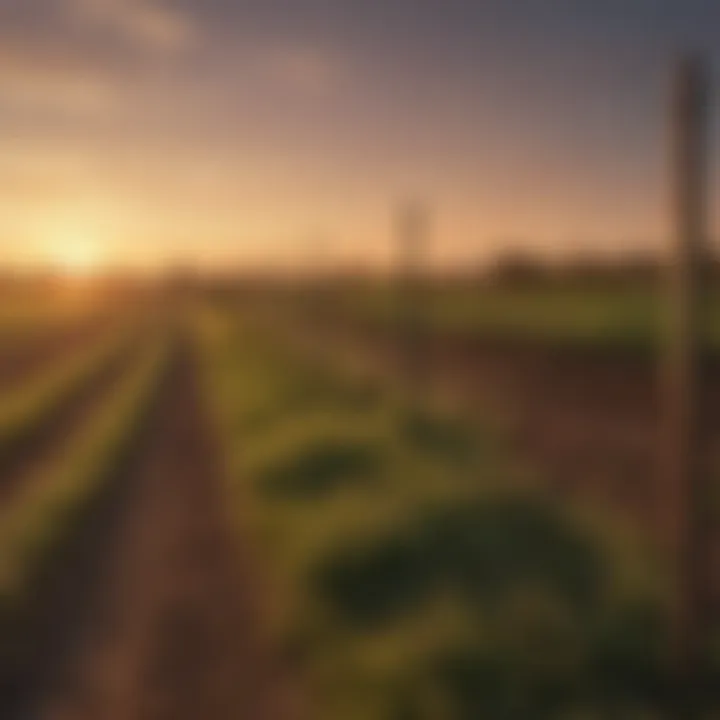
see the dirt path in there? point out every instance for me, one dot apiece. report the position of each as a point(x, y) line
point(170, 627)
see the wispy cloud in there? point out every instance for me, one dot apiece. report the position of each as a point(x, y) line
point(154, 24)
point(75, 55)
point(44, 75)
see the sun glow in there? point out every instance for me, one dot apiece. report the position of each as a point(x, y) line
point(78, 258)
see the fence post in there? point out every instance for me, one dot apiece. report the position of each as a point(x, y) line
point(412, 241)
point(687, 491)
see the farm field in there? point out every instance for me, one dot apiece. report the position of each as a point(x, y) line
point(604, 315)
point(119, 583)
point(359, 360)
point(236, 509)
point(574, 377)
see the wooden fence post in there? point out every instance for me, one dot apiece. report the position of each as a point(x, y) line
point(687, 491)
point(412, 240)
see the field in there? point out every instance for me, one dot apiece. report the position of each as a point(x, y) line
point(573, 373)
point(251, 503)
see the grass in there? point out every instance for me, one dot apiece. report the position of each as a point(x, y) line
point(416, 573)
point(631, 318)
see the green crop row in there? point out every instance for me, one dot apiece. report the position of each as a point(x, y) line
point(617, 318)
point(25, 407)
point(413, 572)
point(34, 529)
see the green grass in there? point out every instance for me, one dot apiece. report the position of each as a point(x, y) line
point(622, 317)
point(415, 572)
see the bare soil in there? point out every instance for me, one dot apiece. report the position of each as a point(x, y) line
point(593, 422)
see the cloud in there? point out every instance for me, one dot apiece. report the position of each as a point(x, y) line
point(79, 56)
point(48, 75)
point(152, 24)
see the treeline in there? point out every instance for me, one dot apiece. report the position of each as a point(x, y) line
point(520, 269)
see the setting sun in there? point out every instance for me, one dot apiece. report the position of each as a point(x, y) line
point(78, 258)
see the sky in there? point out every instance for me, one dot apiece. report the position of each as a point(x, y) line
point(236, 132)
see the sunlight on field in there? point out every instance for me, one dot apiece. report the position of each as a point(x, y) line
point(359, 361)
point(410, 560)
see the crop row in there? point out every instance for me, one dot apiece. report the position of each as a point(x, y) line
point(620, 318)
point(46, 518)
point(416, 572)
point(25, 407)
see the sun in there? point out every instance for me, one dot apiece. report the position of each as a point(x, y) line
point(78, 258)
